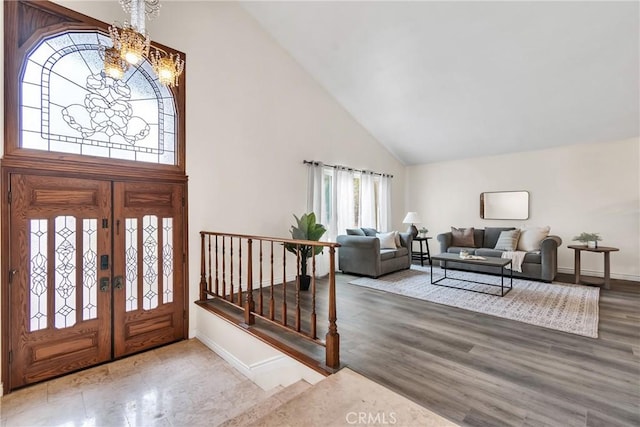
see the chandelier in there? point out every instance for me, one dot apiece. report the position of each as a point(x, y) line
point(131, 45)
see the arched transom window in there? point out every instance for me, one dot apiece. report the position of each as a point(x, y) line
point(69, 105)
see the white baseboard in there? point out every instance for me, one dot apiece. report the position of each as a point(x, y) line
point(258, 361)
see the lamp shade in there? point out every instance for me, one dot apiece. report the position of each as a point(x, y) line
point(412, 218)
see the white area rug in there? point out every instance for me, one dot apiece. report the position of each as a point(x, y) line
point(560, 306)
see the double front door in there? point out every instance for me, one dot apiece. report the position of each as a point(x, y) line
point(96, 272)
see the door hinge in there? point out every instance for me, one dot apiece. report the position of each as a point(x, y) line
point(184, 314)
point(10, 356)
point(183, 201)
point(10, 197)
point(184, 257)
point(11, 274)
point(105, 223)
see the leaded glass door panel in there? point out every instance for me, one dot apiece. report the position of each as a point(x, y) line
point(60, 318)
point(148, 265)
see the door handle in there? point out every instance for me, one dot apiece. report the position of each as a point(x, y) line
point(104, 284)
point(118, 282)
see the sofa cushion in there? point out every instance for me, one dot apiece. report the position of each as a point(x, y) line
point(489, 252)
point(508, 240)
point(400, 252)
point(355, 232)
point(462, 237)
point(369, 231)
point(478, 238)
point(387, 240)
point(531, 238)
point(491, 235)
point(386, 254)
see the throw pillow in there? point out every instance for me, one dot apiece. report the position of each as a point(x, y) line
point(397, 237)
point(531, 238)
point(387, 240)
point(508, 240)
point(369, 231)
point(462, 237)
point(355, 232)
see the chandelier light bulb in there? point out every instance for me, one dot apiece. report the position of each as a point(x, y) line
point(131, 45)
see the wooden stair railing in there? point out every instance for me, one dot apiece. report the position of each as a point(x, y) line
point(217, 281)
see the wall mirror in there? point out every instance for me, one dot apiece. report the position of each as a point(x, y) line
point(504, 205)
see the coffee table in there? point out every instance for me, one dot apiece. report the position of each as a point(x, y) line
point(499, 263)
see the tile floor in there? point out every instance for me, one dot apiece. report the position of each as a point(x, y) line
point(183, 384)
point(186, 384)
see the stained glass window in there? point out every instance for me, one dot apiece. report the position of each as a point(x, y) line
point(38, 274)
point(150, 261)
point(69, 105)
point(65, 271)
point(131, 263)
point(167, 259)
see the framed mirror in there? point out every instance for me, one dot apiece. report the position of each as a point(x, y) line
point(504, 205)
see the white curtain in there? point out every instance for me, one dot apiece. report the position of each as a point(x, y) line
point(316, 203)
point(367, 200)
point(343, 214)
point(384, 203)
point(315, 193)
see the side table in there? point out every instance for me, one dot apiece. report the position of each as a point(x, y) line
point(607, 264)
point(422, 255)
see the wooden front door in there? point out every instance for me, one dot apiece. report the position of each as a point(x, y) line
point(96, 272)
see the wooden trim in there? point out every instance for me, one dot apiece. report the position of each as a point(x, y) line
point(17, 45)
point(5, 249)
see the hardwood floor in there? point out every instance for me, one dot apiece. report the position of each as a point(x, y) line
point(480, 370)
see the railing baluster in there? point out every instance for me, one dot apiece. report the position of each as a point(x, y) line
point(284, 286)
point(332, 338)
point(249, 317)
point(313, 331)
point(231, 290)
point(272, 302)
point(298, 278)
point(260, 296)
point(224, 269)
point(217, 290)
point(203, 271)
point(240, 272)
point(210, 288)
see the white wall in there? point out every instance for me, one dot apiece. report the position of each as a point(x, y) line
point(589, 187)
point(253, 116)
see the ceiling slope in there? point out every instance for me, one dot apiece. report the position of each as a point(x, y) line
point(435, 81)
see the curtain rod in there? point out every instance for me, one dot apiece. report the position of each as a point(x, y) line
point(313, 162)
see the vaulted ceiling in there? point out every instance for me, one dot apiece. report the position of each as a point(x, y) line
point(434, 81)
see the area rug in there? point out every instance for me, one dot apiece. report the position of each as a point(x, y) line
point(560, 306)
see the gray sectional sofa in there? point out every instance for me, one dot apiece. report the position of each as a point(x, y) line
point(539, 265)
point(360, 253)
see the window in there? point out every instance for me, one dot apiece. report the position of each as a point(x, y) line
point(364, 208)
point(68, 105)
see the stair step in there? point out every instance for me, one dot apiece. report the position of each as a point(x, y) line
point(347, 398)
point(280, 397)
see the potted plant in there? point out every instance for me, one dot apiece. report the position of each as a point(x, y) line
point(589, 239)
point(423, 232)
point(305, 228)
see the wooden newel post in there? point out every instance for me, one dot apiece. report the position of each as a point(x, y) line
point(203, 269)
point(332, 337)
point(249, 317)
